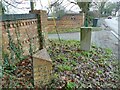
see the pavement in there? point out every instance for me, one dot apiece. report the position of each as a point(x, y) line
point(103, 38)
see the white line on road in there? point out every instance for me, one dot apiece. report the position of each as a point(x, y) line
point(116, 35)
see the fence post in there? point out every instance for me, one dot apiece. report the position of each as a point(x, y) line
point(85, 38)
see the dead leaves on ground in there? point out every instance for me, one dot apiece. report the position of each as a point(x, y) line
point(87, 69)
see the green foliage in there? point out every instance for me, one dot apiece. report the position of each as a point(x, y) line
point(85, 8)
point(108, 10)
point(117, 6)
point(65, 30)
point(12, 58)
point(100, 71)
point(6, 59)
point(108, 51)
point(58, 10)
point(85, 53)
point(101, 7)
point(73, 63)
point(2, 8)
point(64, 67)
point(110, 7)
point(70, 86)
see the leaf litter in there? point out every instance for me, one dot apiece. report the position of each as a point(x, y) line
point(84, 69)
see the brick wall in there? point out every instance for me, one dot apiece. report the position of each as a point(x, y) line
point(66, 22)
point(30, 27)
point(27, 30)
point(23, 33)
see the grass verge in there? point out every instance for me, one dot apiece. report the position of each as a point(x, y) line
point(72, 30)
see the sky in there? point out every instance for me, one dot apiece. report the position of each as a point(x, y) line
point(39, 4)
point(24, 5)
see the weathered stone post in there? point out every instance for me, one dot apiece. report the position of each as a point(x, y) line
point(85, 35)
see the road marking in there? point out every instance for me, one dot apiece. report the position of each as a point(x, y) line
point(116, 35)
point(113, 32)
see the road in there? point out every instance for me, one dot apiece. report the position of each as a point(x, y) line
point(113, 24)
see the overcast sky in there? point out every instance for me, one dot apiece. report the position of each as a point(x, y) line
point(24, 5)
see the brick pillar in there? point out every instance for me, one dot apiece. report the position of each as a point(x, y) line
point(85, 38)
point(43, 25)
point(41, 59)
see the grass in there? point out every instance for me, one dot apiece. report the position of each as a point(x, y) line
point(64, 67)
point(64, 31)
point(72, 30)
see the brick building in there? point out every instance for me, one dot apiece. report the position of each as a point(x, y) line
point(68, 21)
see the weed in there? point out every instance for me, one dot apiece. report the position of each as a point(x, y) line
point(70, 86)
point(64, 67)
point(108, 51)
point(73, 63)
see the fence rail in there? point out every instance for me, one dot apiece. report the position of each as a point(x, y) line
point(12, 17)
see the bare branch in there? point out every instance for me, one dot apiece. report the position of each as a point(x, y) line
point(72, 2)
point(11, 4)
point(41, 4)
point(72, 7)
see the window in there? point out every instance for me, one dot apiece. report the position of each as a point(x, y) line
point(73, 17)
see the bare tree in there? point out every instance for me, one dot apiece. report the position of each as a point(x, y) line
point(2, 8)
point(100, 6)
